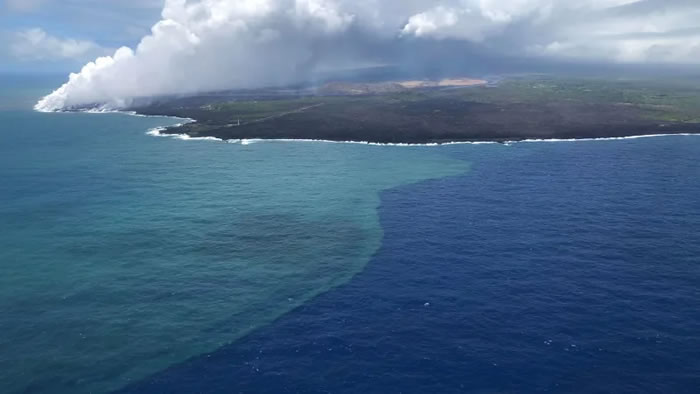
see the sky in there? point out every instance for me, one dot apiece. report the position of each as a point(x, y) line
point(124, 49)
point(62, 35)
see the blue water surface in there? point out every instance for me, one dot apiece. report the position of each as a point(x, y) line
point(137, 264)
point(550, 267)
point(122, 254)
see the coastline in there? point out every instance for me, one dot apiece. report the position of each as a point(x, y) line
point(520, 110)
point(404, 121)
point(426, 113)
point(159, 132)
point(171, 132)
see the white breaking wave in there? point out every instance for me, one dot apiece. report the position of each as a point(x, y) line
point(631, 137)
point(128, 113)
point(157, 132)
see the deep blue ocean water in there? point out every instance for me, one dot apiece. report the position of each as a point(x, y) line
point(154, 265)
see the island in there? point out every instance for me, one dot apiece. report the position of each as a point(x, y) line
point(506, 108)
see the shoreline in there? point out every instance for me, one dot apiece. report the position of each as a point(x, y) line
point(162, 132)
point(434, 121)
point(158, 132)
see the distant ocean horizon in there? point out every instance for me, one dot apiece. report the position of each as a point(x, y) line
point(136, 264)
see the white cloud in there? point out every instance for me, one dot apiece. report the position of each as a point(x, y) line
point(591, 30)
point(36, 44)
point(204, 45)
point(685, 50)
point(663, 35)
point(431, 21)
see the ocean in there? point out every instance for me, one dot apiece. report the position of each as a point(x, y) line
point(136, 264)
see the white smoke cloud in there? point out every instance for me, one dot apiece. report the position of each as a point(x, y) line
point(207, 45)
point(204, 45)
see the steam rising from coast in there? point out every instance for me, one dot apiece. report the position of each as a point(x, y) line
point(208, 45)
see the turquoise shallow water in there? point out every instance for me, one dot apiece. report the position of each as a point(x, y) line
point(546, 268)
point(122, 253)
point(154, 265)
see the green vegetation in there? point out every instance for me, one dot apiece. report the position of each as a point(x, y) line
point(664, 100)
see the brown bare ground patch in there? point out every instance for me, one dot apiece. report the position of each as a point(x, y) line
point(415, 84)
point(462, 82)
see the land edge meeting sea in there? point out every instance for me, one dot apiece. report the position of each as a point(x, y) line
point(450, 167)
point(171, 131)
point(321, 291)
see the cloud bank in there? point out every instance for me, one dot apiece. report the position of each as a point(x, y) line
point(205, 45)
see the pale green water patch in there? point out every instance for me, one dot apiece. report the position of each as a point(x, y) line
point(123, 254)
